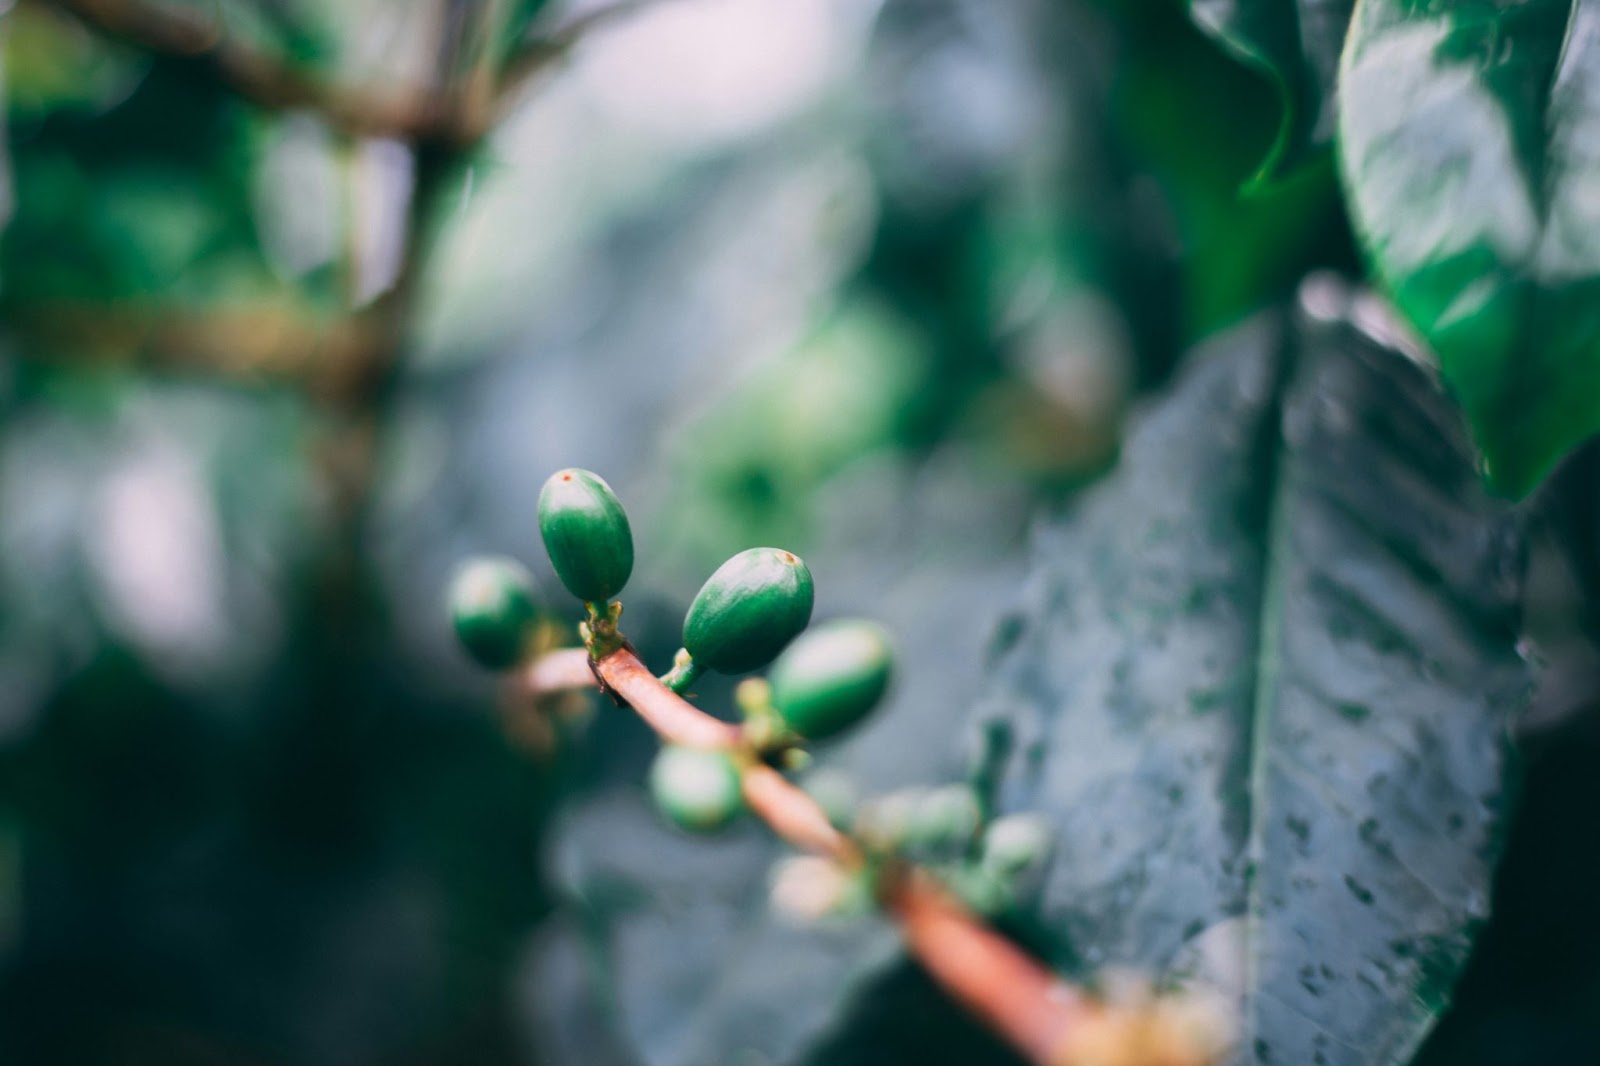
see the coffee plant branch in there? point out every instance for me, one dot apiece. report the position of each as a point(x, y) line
point(1050, 1021)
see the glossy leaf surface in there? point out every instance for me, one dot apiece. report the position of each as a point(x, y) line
point(1295, 43)
point(1470, 141)
point(1265, 707)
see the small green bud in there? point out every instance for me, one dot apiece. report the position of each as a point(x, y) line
point(699, 789)
point(586, 532)
point(885, 822)
point(1013, 844)
point(945, 819)
point(492, 610)
point(754, 604)
point(979, 888)
point(829, 678)
point(809, 888)
point(835, 794)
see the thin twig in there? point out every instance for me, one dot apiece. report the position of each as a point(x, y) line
point(267, 340)
point(795, 816)
point(674, 718)
point(1012, 994)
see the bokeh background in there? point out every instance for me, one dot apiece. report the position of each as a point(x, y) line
point(873, 281)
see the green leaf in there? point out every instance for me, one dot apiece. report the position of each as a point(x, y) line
point(134, 201)
point(1296, 43)
point(1470, 138)
point(1262, 683)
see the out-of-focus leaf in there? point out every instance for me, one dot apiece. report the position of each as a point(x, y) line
point(1296, 43)
point(519, 17)
point(1471, 147)
point(148, 201)
point(137, 233)
point(172, 521)
point(1010, 231)
point(1197, 125)
point(1267, 708)
point(52, 61)
point(750, 467)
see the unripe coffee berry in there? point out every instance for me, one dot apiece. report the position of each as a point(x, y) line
point(830, 677)
point(754, 604)
point(492, 610)
point(698, 789)
point(1014, 843)
point(586, 532)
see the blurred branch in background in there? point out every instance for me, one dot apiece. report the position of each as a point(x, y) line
point(460, 119)
point(261, 78)
point(536, 54)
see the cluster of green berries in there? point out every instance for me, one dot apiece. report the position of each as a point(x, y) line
point(753, 610)
point(991, 864)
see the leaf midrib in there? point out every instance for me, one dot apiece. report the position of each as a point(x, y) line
point(1268, 616)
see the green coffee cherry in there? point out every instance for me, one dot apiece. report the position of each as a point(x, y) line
point(754, 604)
point(587, 534)
point(830, 677)
point(492, 610)
point(697, 788)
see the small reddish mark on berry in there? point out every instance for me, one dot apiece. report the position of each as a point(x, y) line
point(788, 557)
point(566, 477)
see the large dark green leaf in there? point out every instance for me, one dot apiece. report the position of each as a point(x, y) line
point(1471, 144)
point(1263, 681)
point(1296, 43)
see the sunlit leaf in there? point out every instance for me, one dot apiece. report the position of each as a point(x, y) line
point(1296, 44)
point(1471, 146)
